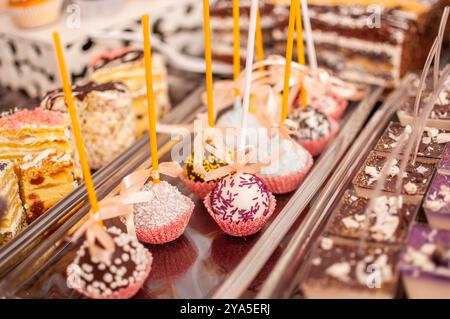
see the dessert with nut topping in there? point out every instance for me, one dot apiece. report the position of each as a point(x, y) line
point(432, 144)
point(388, 222)
point(415, 180)
point(341, 268)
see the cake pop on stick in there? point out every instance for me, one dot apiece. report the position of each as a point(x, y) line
point(161, 212)
point(109, 264)
point(201, 162)
point(240, 203)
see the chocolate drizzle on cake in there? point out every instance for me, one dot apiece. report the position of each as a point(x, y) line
point(126, 57)
point(82, 91)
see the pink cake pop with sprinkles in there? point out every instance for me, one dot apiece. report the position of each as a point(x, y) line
point(240, 203)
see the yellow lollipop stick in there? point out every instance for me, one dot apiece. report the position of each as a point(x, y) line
point(287, 71)
point(150, 95)
point(208, 59)
point(67, 88)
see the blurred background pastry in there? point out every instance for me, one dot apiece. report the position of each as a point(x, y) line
point(127, 66)
point(106, 117)
point(34, 13)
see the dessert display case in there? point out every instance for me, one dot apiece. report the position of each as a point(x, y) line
point(204, 262)
point(307, 268)
point(185, 88)
point(128, 181)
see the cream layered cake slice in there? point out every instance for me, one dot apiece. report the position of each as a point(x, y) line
point(45, 178)
point(432, 144)
point(30, 132)
point(415, 179)
point(388, 222)
point(127, 65)
point(425, 264)
point(341, 269)
point(370, 41)
point(13, 219)
point(106, 118)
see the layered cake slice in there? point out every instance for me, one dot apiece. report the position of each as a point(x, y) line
point(341, 269)
point(425, 264)
point(432, 145)
point(30, 132)
point(106, 117)
point(415, 181)
point(45, 178)
point(370, 41)
point(222, 27)
point(388, 222)
point(127, 66)
point(13, 219)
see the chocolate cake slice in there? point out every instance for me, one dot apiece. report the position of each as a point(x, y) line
point(373, 41)
point(350, 269)
point(415, 181)
point(222, 27)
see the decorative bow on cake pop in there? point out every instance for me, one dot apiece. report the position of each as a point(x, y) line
point(241, 163)
point(268, 111)
point(270, 72)
point(100, 244)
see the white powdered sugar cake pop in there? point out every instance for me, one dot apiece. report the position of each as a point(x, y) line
point(286, 172)
point(240, 204)
point(164, 217)
point(119, 277)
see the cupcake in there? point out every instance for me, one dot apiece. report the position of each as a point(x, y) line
point(34, 13)
point(164, 217)
point(240, 204)
point(286, 173)
point(315, 129)
point(196, 181)
point(120, 277)
point(330, 105)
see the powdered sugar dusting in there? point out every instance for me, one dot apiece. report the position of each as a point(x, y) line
point(165, 204)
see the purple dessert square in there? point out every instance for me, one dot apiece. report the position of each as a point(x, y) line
point(437, 202)
point(425, 264)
